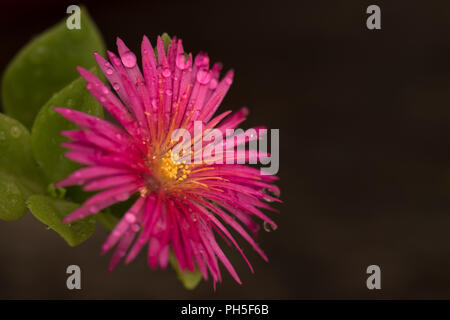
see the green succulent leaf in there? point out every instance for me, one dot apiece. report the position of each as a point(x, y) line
point(12, 197)
point(190, 280)
point(16, 156)
point(47, 64)
point(166, 40)
point(46, 135)
point(20, 176)
point(51, 211)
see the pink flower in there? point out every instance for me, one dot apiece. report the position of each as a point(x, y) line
point(181, 206)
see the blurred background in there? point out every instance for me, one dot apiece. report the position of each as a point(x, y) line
point(364, 119)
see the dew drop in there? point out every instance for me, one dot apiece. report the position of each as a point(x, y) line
point(105, 90)
point(115, 60)
point(129, 59)
point(181, 62)
point(201, 60)
point(213, 84)
point(122, 197)
point(203, 76)
point(194, 217)
point(116, 86)
point(15, 132)
point(109, 71)
point(269, 227)
point(166, 72)
point(169, 92)
point(130, 218)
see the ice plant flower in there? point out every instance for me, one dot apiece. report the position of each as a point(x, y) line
point(181, 207)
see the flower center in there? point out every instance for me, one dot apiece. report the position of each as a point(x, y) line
point(170, 170)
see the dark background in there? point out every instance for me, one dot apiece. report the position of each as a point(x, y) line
point(364, 120)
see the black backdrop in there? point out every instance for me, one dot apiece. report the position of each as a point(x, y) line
point(364, 119)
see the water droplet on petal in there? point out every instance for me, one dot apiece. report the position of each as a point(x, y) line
point(129, 59)
point(115, 60)
point(15, 132)
point(203, 76)
point(201, 59)
point(105, 90)
point(269, 227)
point(213, 84)
point(169, 92)
point(166, 72)
point(116, 86)
point(122, 197)
point(130, 218)
point(181, 62)
point(109, 71)
point(194, 217)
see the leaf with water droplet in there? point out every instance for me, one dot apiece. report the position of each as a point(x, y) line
point(46, 135)
point(51, 211)
point(47, 64)
point(190, 280)
point(12, 197)
point(16, 155)
point(19, 175)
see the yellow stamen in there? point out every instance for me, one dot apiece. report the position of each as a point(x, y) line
point(171, 170)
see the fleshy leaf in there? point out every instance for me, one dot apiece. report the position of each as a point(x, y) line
point(190, 280)
point(47, 64)
point(167, 40)
point(12, 197)
point(51, 212)
point(20, 176)
point(46, 135)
